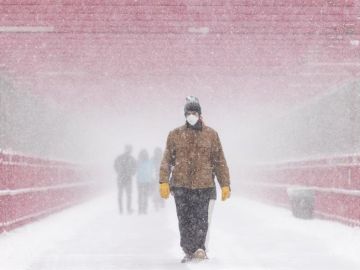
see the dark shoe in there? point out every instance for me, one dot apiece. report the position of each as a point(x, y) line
point(187, 258)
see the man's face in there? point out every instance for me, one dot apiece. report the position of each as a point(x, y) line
point(192, 117)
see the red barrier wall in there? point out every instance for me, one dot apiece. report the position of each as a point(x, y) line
point(32, 187)
point(336, 182)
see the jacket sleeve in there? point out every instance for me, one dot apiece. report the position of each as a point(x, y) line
point(168, 160)
point(219, 162)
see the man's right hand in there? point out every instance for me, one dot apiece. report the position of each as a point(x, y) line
point(164, 190)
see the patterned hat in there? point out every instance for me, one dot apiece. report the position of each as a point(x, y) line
point(192, 104)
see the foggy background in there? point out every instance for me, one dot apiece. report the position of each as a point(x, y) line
point(325, 125)
point(80, 79)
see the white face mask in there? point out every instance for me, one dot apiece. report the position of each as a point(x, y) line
point(192, 119)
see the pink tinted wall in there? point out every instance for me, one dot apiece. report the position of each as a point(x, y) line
point(31, 188)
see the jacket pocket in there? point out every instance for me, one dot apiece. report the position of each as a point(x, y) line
point(179, 172)
point(205, 176)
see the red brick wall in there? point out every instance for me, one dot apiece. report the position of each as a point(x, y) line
point(126, 37)
point(32, 187)
point(336, 182)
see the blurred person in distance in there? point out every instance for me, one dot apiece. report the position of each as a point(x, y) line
point(125, 167)
point(144, 179)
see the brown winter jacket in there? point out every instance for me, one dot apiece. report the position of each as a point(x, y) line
point(192, 158)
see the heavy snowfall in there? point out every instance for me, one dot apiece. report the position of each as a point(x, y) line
point(116, 115)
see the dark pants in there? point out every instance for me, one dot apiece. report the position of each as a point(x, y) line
point(124, 186)
point(192, 207)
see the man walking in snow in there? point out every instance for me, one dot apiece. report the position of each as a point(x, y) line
point(192, 158)
point(125, 167)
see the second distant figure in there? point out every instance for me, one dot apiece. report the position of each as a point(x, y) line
point(144, 180)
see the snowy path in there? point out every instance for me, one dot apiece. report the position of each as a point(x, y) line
point(244, 235)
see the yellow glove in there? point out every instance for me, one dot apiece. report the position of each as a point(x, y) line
point(225, 193)
point(164, 190)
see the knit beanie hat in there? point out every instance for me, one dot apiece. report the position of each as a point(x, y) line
point(192, 104)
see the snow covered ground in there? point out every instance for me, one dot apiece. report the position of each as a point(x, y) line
point(244, 235)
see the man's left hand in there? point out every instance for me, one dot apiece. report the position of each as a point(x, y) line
point(225, 193)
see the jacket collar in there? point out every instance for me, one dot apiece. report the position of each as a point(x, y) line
point(197, 126)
